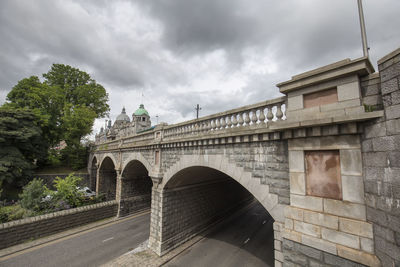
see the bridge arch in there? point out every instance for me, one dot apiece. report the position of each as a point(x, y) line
point(107, 178)
point(222, 164)
point(136, 185)
point(138, 157)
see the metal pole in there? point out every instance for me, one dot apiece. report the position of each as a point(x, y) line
point(363, 32)
point(197, 108)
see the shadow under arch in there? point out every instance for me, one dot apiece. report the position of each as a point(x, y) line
point(223, 165)
point(195, 197)
point(107, 180)
point(136, 188)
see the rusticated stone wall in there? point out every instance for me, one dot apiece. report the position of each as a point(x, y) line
point(381, 162)
point(266, 161)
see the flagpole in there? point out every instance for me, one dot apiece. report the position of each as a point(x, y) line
point(363, 32)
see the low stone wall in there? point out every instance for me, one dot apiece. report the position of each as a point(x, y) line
point(16, 232)
point(133, 204)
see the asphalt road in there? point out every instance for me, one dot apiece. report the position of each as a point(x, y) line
point(243, 240)
point(90, 248)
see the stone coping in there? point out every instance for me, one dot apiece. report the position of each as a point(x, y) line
point(389, 56)
point(56, 214)
point(360, 66)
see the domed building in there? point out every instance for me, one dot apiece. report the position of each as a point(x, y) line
point(141, 118)
point(123, 126)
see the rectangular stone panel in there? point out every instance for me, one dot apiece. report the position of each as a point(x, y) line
point(323, 177)
point(320, 98)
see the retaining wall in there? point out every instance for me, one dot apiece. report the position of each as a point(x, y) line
point(16, 232)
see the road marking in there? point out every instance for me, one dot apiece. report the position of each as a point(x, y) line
point(264, 222)
point(247, 240)
point(108, 239)
point(21, 252)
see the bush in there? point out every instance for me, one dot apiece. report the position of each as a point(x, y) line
point(67, 191)
point(33, 194)
point(14, 212)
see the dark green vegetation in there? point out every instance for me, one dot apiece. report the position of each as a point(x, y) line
point(38, 116)
point(37, 199)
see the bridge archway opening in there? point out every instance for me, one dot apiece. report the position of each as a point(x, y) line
point(93, 174)
point(135, 188)
point(107, 181)
point(197, 197)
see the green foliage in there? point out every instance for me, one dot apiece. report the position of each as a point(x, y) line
point(66, 105)
point(76, 156)
point(14, 212)
point(21, 144)
point(67, 190)
point(369, 108)
point(33, 194)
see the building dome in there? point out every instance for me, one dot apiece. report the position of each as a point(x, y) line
point(141, 111)
point(123, 116)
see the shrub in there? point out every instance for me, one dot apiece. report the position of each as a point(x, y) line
point(14, 212)
point(67, 191)
point(32, 195)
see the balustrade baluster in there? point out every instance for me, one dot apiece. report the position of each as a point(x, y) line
point(279, 113)
point(241, 121)
point(261, 117)
point(234, 120)
point(217, 123)
point(229, 122)
point(246, 118)
point(223, 123)
point(212, 125)
point(270, 115)
point(254, 118)
point(208, 126)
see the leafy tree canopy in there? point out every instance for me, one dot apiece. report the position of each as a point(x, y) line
point(67, 102)
point(21, 144)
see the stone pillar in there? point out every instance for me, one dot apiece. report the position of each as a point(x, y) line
point(278, 227)
point(98, 181)
point(118, 192)
point(156, 216)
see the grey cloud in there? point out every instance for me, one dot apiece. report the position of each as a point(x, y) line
point(296, 36)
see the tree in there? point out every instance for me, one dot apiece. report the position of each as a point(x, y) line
point(66, 103)
point(46, 102)
point(21, 144)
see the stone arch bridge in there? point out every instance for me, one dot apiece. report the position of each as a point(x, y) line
point(307, 157)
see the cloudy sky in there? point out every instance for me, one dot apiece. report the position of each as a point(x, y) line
point(220, 54)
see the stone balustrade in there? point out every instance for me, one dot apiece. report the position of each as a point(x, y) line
point(259, 114)
point(251, 116)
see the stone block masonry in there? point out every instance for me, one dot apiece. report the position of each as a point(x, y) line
point(381, 163)
point(16, 232)
point(297, 254)
point(179, 214)
point(133, 204)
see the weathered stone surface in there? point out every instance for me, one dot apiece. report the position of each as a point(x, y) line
point(308, 229)
point(355, 227)
point(321, 219)
point(389, 86)
point(345, 209)
point(340, 238)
